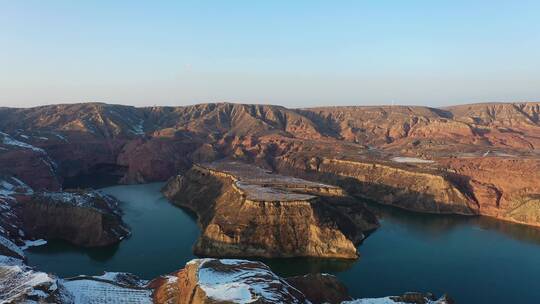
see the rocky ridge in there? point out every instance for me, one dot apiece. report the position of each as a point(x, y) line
point(209, 281)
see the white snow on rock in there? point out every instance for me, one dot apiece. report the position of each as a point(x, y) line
point(245, 282)
point(9, 261)
point(82, 199)
point(401, 159)
point(35, 243)
point(61, 137)
point(394, 300)
point(83, 291)
point(11, 246)
point(18, 281)
point(10, 141)
point(12, 185)
point(138, 128)
point(386, 300)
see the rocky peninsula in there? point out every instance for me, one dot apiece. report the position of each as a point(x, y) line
point(244, 210)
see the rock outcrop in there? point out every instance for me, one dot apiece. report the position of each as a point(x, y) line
point(245, 211)
point(22, 284)
point(215, 281)
point(201, 281)
point(85, 218)
point(225, 281)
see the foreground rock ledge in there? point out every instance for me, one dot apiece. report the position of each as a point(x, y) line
point(202, 281)
point(244, 211)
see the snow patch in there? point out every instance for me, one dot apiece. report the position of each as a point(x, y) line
point(400, 159)
point(16, 281)
point(138, 128)
point(386, 300)
point(28, 243)
point(8, 140)
point(10, 261)
point(90, 291)
point(246, 282)
point(11, 246)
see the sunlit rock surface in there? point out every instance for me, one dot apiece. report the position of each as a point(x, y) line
point(246, 211)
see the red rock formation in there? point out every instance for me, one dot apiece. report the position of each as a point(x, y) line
point(150, 144)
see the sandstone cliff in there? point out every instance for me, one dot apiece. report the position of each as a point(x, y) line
point(245, 211)
point(85, 218)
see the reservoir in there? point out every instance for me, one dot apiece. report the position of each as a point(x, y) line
point(474, 259)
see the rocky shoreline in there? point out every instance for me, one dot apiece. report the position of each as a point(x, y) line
point(201, 281)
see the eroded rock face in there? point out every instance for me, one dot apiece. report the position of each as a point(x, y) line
point(506, 189)
point(85, 218)
point(245, 211)
point(417, 190)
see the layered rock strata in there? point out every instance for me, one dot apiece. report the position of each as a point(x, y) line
point(85, 218)
point(412, 188)
point(245, 211)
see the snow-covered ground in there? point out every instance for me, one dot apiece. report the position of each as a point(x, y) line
point(90, 291)
point(415, 160)
point(243, 282)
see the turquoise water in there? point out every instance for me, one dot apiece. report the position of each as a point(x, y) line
point(161, 240)
point(476, 260)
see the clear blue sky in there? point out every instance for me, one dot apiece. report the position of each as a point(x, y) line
point(293, 53)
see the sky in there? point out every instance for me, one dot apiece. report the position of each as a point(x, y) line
point(291, 53)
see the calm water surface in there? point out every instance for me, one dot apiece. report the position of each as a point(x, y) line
point(161, 240)
point(473, 259)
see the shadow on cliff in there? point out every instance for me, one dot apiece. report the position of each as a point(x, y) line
point(403, 198)
point(405, 210)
